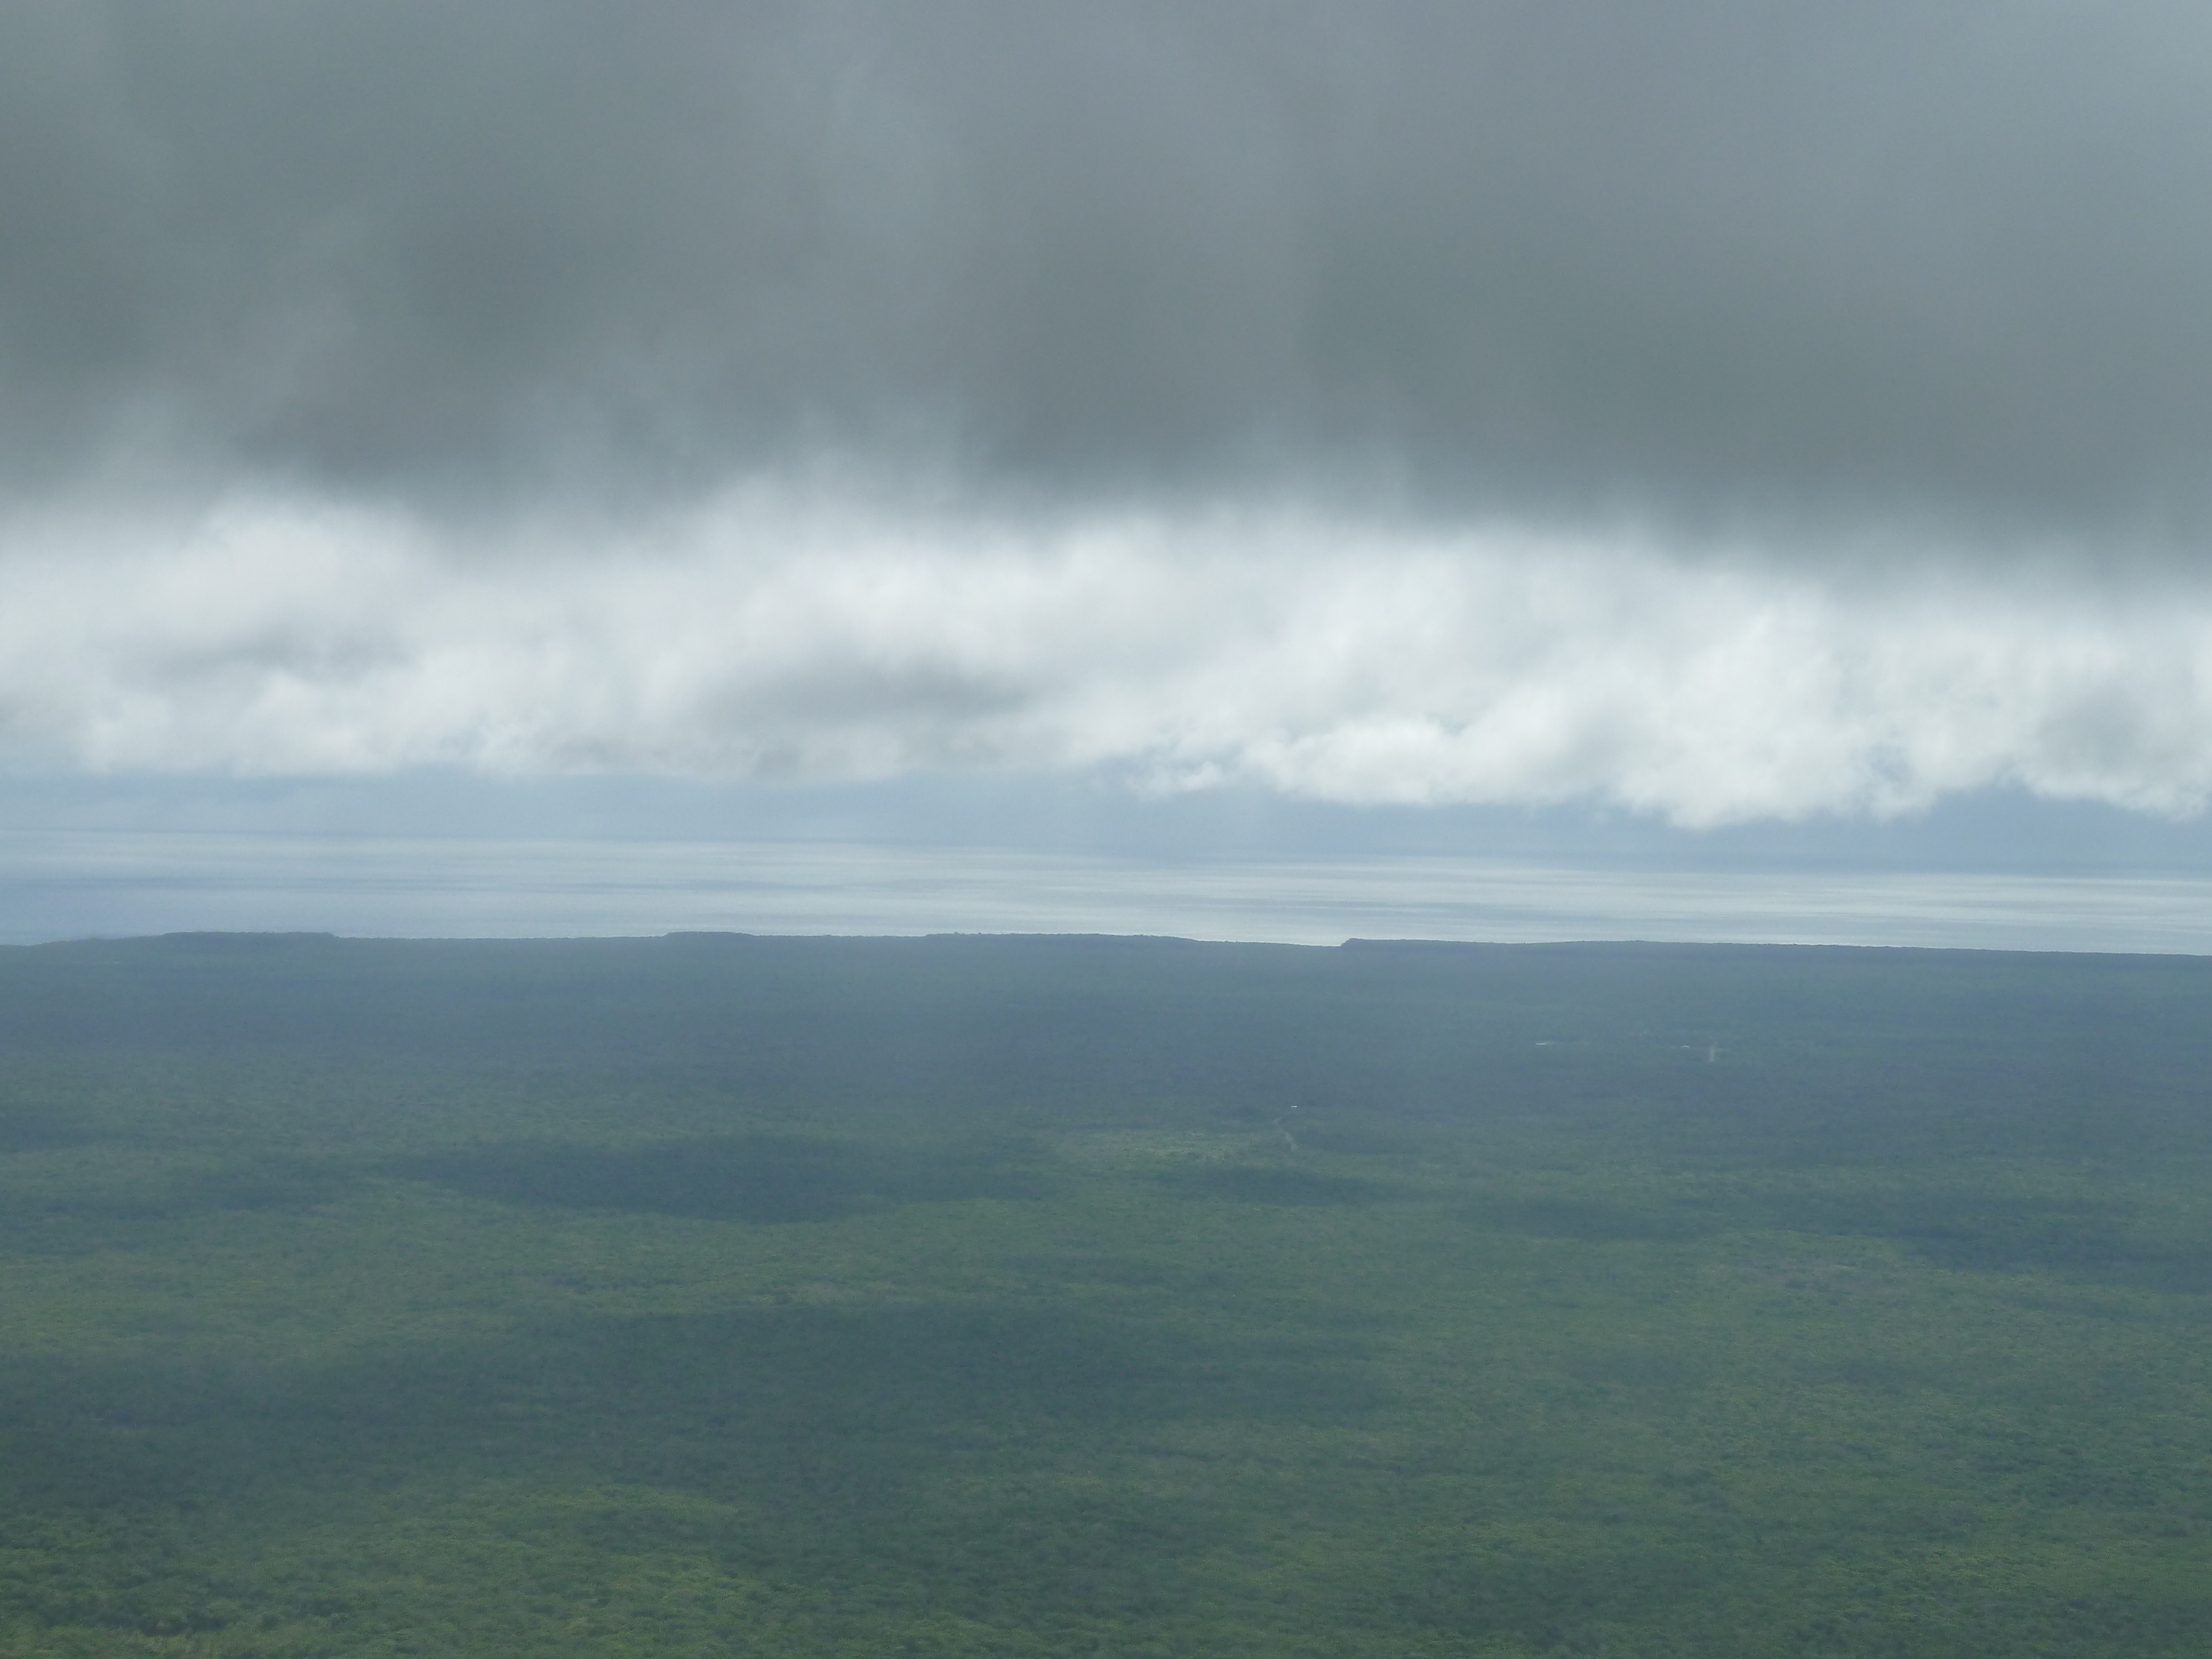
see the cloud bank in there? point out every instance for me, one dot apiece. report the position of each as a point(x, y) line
point(769, 636)
point(1723, 409)
point(1701, 261)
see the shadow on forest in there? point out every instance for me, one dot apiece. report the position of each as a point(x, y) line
point(2071, 1238)
point(757, 1178)
point(40, 1129)
point(1595, 1221)
point(1359, 1140)
point(794, 1406)
point(126, 1208)
point(1970, 1232)
point(983, 1441)
point(1261, 1184)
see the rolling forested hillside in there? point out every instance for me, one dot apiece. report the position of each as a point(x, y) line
point(714, 1295)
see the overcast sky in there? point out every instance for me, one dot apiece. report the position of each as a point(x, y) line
point(1717, 413)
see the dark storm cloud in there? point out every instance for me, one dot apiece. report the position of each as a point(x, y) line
point(1869, 260)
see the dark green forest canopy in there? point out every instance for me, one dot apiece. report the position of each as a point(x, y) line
point(727, 1295)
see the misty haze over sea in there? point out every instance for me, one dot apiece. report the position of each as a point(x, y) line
point(57, 885)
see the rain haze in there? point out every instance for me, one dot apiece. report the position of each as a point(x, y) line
point(1247, 469)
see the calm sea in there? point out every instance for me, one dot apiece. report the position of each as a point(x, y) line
point(72, 884)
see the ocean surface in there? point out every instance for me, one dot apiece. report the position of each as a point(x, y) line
point(57, 885)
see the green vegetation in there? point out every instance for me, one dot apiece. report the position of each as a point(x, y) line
point(726, 1296)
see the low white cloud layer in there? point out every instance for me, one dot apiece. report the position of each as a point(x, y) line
point(779, 635)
